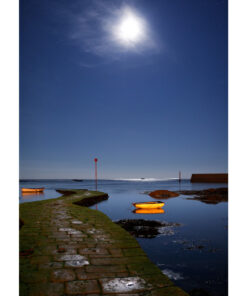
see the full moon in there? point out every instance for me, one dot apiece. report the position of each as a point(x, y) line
point(130, 30)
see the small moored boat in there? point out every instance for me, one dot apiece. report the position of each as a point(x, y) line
point(33, 190)
point(77, 180)
point(149, 205)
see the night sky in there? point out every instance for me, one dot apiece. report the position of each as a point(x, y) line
point(145, 109)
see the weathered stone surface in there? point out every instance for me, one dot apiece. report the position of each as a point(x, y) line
point(82, 287)
point(76, 232)
point(82, 275)
point(102, 269)
point(51, 289)
point(116, 252)
point(66, 251)
point(92, 251)
point(40, 259)
point(65, 229)
point(76, 263)
point(68, 257)
point(109, 261)
point(123, 285)
point(76, 222)
point(62, 275)
point(33, 276)
point(51, 265)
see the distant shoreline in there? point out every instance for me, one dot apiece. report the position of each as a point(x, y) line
point(131, 180)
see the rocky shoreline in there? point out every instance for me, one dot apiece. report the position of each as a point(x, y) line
point(209, 196)
point(163, 194)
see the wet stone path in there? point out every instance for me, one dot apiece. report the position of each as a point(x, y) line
point(66, 249)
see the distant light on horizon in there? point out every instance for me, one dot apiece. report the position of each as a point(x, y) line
point(130, 30)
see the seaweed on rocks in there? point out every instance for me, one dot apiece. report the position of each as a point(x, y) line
point(147, 228)
point(163, 194)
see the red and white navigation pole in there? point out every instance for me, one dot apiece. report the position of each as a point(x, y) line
point(96, 175)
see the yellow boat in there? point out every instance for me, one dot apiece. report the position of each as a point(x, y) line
point(149, 211)
point(32, 190)
point(149, 205)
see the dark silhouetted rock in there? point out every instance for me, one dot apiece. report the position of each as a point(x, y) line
point(163, 194)
point(90, 201)
point(209, 196)
point(147, 228)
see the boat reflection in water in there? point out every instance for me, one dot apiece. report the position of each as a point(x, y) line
point(28, 195)
point(149, 211)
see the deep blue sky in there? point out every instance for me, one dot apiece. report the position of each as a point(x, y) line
point(144, 113)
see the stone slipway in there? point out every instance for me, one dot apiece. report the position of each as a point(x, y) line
point(66, 249)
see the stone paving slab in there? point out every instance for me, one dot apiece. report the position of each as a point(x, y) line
point(66, 249)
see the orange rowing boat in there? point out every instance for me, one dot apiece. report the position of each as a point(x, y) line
point(149, 204)
point(33, 190)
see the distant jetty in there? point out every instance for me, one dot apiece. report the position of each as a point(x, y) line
point(209, 178)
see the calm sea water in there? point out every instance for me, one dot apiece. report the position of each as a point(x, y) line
point(194, 255)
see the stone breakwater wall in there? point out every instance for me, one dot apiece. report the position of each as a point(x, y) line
point(209, 178)
point(67, 249)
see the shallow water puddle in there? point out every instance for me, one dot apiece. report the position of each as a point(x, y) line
point(94, 231)
point(122, 285)
point(71, 257)
point(76, 222)
point(76, 263)
point(70, 230)
point(73, 260)
point(66, 229)
point(74, 231)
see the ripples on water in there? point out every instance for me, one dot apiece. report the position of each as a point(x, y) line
point(194, 256)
